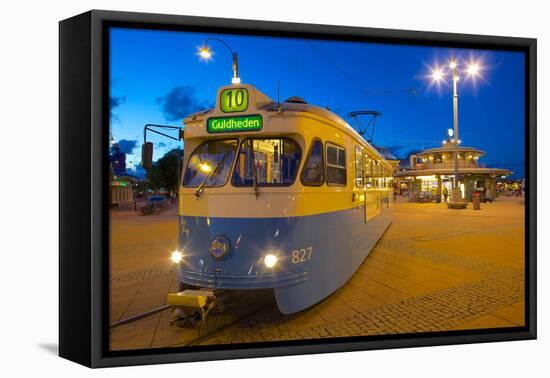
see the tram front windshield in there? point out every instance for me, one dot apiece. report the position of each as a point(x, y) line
point(210, 163)
point(268, 162)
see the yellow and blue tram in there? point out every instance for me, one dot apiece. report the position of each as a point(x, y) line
point(285, 196)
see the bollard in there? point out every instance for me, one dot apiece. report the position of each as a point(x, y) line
point(476, 201)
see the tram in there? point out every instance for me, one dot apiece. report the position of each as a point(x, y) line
point(284, 196)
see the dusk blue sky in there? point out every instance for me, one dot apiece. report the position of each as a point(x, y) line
point(157, 77)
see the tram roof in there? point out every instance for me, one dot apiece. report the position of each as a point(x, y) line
point(293, 104)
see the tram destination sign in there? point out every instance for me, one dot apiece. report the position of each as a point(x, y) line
point(234, 124)
point(234, 100)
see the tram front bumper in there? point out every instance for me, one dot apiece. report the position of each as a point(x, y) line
point(252, 281)
point(190, 298)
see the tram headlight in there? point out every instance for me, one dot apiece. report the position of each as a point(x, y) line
point(270, 260)
point(176, 256)
point(219, 247)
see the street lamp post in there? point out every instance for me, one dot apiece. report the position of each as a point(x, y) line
point(206, 53)
point(438, 74)
point(456, 193)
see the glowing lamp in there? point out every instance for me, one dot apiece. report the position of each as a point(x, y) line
point(176, 256)
point(437, 74)
point(473, 69)
point(205, 52)
point(270, 260)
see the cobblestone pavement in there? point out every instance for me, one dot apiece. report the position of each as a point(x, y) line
point(434, 269)
point(415, 281)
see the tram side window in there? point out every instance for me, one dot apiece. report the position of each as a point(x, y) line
point(313, 173)
point(336, 165)
point(359, 168)
point(271, 162)
point(376, 174)
point(382, 176)
point(369, 173)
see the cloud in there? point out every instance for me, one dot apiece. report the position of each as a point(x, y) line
point(127, 146)
point(161, 144)
point(181, 101)
point(115, 102)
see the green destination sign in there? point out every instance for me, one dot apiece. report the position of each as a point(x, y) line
point(234, 124)
point(234, 100)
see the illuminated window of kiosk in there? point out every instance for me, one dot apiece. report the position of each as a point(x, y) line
point(234, 124)
point(234, 100)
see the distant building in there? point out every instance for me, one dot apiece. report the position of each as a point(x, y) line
point(390, 157)
point(121, 192)
point(429, 171)
point(118, 160)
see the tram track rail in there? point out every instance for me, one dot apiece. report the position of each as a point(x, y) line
point(139, 316)
point(215, 324)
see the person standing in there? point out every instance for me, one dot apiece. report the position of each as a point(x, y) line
point(445, 194)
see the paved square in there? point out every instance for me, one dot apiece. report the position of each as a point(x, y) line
point(435, 269)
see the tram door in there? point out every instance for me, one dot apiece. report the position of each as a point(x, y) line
point(388, 190)
point(372, 205)
point(372, 194)
point(360, 178)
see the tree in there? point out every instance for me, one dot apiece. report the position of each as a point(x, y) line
point(164, 172)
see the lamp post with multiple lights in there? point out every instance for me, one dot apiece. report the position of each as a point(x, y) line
point(206, 54)
point(438, 74)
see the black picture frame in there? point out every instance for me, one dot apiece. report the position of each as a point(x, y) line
point(83, 179)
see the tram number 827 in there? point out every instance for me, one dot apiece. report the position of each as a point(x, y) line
point(301, 255)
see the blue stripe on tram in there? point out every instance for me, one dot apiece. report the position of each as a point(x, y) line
point(316, 254)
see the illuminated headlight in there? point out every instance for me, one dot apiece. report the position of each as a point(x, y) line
point(219, 247)
point(270, 260)
point(177, 256)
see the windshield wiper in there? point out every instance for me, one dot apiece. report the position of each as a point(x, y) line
point(212, 173)
point(255, 174)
